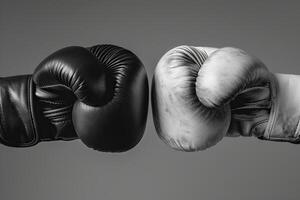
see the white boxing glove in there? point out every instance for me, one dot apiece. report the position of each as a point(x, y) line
point(201, 94)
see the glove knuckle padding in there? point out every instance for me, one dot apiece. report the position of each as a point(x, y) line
point(226, 73)
point(75, 69)
point(200, 97)
point(118, 124)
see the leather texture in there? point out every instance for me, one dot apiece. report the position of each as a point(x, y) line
point(17, 127)
point(98, 94)
point(201, 94)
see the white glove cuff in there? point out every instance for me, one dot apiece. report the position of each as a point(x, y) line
point(284, 118)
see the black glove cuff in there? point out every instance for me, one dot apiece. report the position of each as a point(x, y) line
point(17, 123)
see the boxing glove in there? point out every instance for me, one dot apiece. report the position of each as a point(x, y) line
point(97, 94)
point(201, 94)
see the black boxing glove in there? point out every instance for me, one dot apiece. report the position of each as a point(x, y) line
point(98, 94)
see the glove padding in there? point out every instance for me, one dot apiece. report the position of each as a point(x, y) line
point(201, 94)
point(98, 94)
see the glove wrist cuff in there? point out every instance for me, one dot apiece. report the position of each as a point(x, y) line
point(17, 122)
point(284, 118)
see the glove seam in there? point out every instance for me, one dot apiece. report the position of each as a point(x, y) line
point(31, 114)
point(51, 102)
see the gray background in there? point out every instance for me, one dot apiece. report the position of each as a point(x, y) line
point(241, 168)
